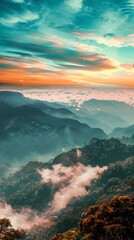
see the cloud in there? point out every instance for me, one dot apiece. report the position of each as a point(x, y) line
point(80, 94)
point(63, 57)
point(25, 218)
point(108, 39)
point(18, 1)
point(26, 17)
point(70, 181)
point(75, 4)
point(128, 66)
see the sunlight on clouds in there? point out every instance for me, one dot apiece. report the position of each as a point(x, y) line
point(71, 182)
point(128, 66)
point(109, 41)
point(66, 42)
point(79, 95)
point(84, 46)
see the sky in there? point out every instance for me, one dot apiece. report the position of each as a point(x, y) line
point(67, 43)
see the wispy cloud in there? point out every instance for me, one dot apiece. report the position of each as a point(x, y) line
point(70, 181)
point(26, 17)
point(108, 39)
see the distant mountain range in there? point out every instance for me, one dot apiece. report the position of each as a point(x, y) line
point(16, 99)
point(106, 114)
point(30, 127)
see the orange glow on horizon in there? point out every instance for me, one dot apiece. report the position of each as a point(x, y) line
point(22, 77)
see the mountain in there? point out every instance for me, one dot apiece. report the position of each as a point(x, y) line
point(115, 108)
point(26, 130)
point(16, 99)
point(116, 181)
point(105, 114)
point(104, 221)
point(97, 152)
point(56, 112)
point(120, 132)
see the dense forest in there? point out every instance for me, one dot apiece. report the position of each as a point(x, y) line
point(104, 222)
point(24, 188)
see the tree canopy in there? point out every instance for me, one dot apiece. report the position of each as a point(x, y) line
point(7, 232)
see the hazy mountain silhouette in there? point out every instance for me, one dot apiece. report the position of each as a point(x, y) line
point(120, 132)
point(106, 114)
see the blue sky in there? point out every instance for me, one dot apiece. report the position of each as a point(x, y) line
point(67, 42)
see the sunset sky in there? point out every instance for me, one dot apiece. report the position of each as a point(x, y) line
point(67, 42)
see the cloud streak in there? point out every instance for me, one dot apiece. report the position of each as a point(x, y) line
point(108, 39)
point(70, 181)
point(62, 55)
point(26, 17)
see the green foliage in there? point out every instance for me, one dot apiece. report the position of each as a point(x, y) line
point(97, 152)
point(24, 188)
point(115, 181)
